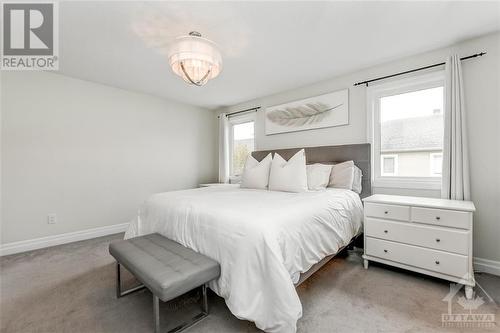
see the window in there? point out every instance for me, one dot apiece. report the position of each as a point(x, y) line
point(389, 165)
point(436, 164)
point(241, 138)
point(406, 129)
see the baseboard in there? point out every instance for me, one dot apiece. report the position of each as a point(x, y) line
point(480, 264)
point(487, 266)
point(38, 243)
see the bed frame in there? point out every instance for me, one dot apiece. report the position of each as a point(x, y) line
point(359, 153)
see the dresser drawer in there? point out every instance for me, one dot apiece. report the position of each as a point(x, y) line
point(433, 237)
point(443, 217)
point(432, 260)
point(392, 212)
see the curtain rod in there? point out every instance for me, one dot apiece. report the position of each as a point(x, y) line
point(415, 70)
point(237, 112)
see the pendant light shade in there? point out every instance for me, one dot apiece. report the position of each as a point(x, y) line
point(195, 59)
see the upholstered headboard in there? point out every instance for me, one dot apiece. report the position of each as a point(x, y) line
point(359, 153)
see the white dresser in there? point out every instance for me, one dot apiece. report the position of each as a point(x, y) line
point(425, 235)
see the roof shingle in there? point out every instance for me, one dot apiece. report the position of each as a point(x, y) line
point(418, 133)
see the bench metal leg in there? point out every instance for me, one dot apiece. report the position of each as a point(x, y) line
point(183, 326)
point(156, 313)
point(204, 298)
point(119, 292)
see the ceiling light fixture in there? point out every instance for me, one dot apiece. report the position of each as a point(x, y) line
point(195, 59)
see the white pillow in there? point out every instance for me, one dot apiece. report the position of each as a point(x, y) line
point(342, 175)
point(289, 176)
point(358, 177)
point(256, 174)
point(318, 176)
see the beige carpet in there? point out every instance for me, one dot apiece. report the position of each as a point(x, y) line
point(70, 288)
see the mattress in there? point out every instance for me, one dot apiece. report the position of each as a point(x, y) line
point(263, 240)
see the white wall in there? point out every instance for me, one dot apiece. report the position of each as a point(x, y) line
point(482, 92)
point(92, 153)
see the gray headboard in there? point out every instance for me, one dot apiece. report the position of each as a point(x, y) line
point(359, 153)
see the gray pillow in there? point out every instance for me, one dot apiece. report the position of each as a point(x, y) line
point(356, 184)
point(342, 175)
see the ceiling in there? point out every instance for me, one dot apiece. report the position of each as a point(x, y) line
point(267, 47)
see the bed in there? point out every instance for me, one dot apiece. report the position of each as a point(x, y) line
point(266, 242)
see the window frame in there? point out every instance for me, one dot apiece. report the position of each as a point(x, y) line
point(373, 96)
point(237, 120)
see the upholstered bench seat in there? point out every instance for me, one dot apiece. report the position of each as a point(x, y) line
point(165, 267)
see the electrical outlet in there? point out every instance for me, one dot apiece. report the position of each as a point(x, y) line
point(52, 218)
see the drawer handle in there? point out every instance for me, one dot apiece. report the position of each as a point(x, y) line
point(386, 251)
point(438, 218)
point(386, 231)
point(437, 262)
point(438, 240)
point(386, 212)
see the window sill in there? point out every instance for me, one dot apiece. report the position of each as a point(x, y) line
point(408, 183)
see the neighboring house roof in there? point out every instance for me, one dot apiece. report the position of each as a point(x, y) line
point(418, 133)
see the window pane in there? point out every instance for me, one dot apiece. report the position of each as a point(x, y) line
point(243, 145)
point(436, 164)
point(411, 127)
point(389, 165)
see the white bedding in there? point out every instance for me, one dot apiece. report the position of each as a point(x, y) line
point(262, 239)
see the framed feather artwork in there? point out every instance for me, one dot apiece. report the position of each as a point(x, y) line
point(326, 110)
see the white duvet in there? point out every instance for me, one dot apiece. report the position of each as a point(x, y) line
point(262, 239)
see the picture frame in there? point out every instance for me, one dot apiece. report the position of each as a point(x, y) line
point(327, 110)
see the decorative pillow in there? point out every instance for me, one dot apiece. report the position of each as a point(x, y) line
point(256, 174)
point(289, 176)
point(356, 184)
point(342, 175)
point(318, 176)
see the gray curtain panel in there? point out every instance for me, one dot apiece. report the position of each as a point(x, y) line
point(223, 149)
point(455, 176)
